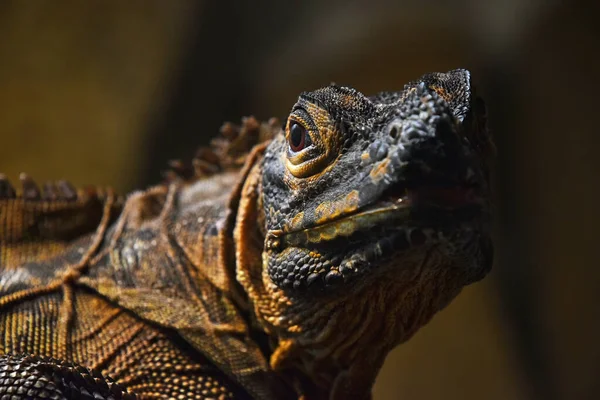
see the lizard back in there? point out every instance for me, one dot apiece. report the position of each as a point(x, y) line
point(136, 288)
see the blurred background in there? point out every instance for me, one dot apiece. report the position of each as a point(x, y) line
point(106, 92)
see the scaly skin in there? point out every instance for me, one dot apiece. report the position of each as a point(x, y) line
point(283, 268)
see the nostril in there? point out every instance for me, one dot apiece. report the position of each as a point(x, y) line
point(394, 131)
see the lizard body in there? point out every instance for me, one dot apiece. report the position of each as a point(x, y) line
point(282, 264)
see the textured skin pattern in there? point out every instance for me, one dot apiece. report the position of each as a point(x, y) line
point(30, 377)
point(280, 264)
point(392, 141)
point(376, 214)
point(146, 297)
point(41, 222)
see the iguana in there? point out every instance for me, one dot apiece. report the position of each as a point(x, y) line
point(283, 263)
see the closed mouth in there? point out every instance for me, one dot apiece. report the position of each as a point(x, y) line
point(427, 206)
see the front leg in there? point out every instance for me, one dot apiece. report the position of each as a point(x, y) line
point(32, 377)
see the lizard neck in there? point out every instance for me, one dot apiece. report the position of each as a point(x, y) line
point(331, 346)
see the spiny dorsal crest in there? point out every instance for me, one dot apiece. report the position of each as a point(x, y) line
point(226, 151)
point(51, 191)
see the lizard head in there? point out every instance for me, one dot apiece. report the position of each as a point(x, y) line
point(373, 213)
point(358, 185)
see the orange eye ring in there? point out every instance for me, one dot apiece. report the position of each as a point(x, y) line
point(312, 141)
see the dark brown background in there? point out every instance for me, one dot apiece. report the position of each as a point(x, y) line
point(107, 91)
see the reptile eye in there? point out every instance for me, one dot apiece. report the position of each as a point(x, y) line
point(297, 137)
point(310, 141)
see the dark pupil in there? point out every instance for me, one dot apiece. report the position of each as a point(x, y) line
point(297, 137)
